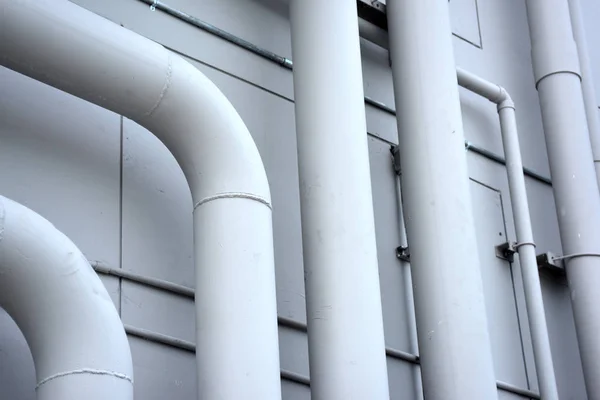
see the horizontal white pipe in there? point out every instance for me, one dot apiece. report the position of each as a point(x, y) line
point(76, 338)
point(343, 299)
point(63, 45)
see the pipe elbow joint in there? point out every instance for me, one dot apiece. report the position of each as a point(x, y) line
point(504, 100)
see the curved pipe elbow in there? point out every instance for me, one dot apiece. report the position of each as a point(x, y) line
point(491, 91)
point(76, 337)
point(140, 79)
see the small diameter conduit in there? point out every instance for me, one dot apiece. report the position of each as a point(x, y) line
point(72, 49)
point(76, 337)
point(525, 245)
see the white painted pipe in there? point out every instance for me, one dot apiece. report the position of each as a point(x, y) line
point(345, 325)
point(524, 231)
point(587, 82)
point(558, 80)
point(76, 338)
point(63, 45)
point(454, 342)
point(520, 206)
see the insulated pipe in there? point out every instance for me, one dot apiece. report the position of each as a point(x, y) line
point(72, 49)
point(556, 70)
point(454, 342)
point(525, 246)
point(344, 317)
point(76, 337)
point(587, 82)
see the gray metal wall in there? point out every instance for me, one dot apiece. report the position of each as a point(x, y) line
point(118, 193)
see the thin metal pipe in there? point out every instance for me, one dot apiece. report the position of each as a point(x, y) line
point(524, 231)
point(184, 345)
point(153, 282)
point(294, 376)
point(527, 256)
point(517, 390)
point(205, 26)
point(287, 322)
point(408, 290)
point(501, 160)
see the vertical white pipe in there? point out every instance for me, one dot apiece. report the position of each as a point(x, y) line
point(556, 70)
point(345, 325)
point(529, 270)
point(587, 82)
point(455, 350)
point(409, 295)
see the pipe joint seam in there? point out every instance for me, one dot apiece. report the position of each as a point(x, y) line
point(85, 371)
point(234, 195)
point(506, 103)
point(541, 78)
point(166, 86)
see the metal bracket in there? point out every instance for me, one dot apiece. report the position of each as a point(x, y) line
point(548, 262)
point(402, 253)
point(396, 154)
point(506, 251)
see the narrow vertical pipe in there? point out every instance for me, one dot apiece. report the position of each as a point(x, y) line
point(558, 81)
point(345, 325)
point(409, 295)
point(527, 256)
point(587, 82)
point(454, 342)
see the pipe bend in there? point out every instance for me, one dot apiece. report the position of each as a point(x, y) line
point(133, 76)
point(47, 286)
point(209, 139)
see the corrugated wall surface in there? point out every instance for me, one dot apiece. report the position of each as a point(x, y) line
point(116, 191)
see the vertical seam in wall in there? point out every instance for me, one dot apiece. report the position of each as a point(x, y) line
point(478, 24)
point(514, 289)
point(121, 156)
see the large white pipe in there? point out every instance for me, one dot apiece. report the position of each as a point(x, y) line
point(558, 81)
point(454, 342)
point(345, 325)
point(76, 338)
point(525, 245)
point(63, 45)
point(587, 82)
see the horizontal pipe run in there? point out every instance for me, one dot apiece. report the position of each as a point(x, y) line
point(283, 321)
point(294, 376)
point(153, 282)
point(507, 387)
point(198, 23)
point(188, 292)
